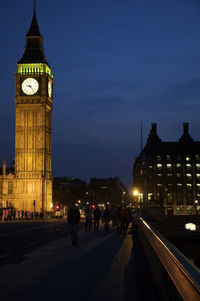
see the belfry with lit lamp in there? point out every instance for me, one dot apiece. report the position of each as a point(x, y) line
point(27, 185)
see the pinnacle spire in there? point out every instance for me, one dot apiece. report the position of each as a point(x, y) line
point(34, 28)
point(34, 52)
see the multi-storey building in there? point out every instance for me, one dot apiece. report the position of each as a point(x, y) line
point(28, 185)
point(168, 173)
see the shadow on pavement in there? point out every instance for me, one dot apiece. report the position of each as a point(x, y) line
point(139, 274)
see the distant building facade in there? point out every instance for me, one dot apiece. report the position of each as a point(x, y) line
point(27, 185)
point(168, 173)
point(108, 191)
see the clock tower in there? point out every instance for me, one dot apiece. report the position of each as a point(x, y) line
point(33, 102)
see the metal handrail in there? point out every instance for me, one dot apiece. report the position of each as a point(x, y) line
point(185, 276)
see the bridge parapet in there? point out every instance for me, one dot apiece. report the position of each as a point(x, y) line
point(175, 276)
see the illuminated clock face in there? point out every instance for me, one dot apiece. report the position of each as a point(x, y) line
point(49, 89)
point(30, 86)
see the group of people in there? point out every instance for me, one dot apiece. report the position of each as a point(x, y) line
point(120, 217)
point(95, 216)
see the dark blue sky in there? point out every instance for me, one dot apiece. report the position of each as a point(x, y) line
point(115, 63)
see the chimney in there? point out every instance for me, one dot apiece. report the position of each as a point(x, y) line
point(185, 128)
point(154, 128)
point(186, 138)
point(153, 137)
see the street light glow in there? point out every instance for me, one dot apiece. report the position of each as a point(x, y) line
point(135, 192)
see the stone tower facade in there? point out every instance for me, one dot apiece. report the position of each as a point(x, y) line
point(31, 178)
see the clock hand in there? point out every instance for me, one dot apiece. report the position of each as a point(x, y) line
point(30, 87)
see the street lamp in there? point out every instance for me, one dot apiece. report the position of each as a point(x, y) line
point(135, 194)
point(51, 207)
point(123, 194)
point(34, 207)
point(196, 203)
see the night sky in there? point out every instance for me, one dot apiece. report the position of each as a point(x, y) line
point(115, 64)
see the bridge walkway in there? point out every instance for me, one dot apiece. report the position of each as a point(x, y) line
point(102, 267)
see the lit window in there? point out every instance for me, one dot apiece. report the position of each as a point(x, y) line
point(169, 198)
point(178, 165)
point(179, 184)
point(198, 175)
point(188, 166)
point(188, 158)
point(198, 185)
point(189, 175)
point(168, 158)
point(159, 166)
point(150, 166)
point(179, 210)
point(159, 175)
point(198, 166)
point(189, 185)
point(159, 185)
point(140, 197)
point(169, 166)
point(169, 174)
point(150, 196)
point(190, 226)
point(178, 175)
point(169, 184)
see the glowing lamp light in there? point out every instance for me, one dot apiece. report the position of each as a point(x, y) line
point(51, 205)
point(135, 192)
point(190, 226)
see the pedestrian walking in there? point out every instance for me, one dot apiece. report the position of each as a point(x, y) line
point(125, 218)
point(73, 217)
point(106, 215)
point(97, 215)
point(113, 216)
point(119, 219)
point(88, 220)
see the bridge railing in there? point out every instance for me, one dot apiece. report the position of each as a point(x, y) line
point(174, 275)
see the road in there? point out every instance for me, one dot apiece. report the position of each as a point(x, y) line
point(103, 266)
point(17, 238)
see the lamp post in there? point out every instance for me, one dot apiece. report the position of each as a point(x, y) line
point(196, 203)
point(51, 207)
point(123, 194)
point(34, 208)
point(135, 194)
